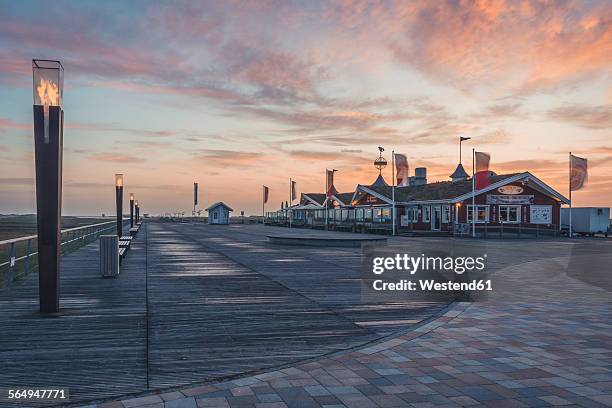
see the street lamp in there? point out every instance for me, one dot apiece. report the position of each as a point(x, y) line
point(48, 84)
point(119, 202)
point(131, 210)
point(137, 212)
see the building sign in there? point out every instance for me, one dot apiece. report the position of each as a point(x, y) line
point(540, 214)
point(370, 199)
point(512, 190)
point(509, 199)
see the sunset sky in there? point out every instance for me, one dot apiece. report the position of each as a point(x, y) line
point(239, 94)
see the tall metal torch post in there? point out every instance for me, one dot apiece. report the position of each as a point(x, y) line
point(48, 84)
point(131, 210)
point(119, 202)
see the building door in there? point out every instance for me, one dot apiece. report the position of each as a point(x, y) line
point(436, 218)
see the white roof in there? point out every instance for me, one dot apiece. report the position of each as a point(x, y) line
point(217, 204)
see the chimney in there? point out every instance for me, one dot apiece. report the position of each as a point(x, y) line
point(420, 176)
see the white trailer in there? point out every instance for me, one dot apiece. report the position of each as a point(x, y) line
point(587, 220)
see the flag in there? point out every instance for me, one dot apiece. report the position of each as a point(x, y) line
point(463, 139)
point(578, 172)
point(195, 194)
point(482, 169)
point(401, 166)
point(266, 192)
point(331, 190)
point(293, 192)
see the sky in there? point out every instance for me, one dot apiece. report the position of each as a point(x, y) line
point(235, 95)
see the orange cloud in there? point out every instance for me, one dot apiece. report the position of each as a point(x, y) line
point(116, 158)
point(590, 117)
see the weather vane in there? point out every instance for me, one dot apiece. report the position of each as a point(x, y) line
point(380, 162)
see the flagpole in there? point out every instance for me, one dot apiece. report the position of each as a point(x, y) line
point(393, 187)
point(570, 194)
point(290, 202)
point(263, 204)
point(325, 201)
point(473, 193)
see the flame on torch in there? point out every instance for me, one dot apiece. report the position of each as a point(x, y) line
point(48, 92)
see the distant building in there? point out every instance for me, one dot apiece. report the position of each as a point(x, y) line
point(218, 213)
point(511, 201)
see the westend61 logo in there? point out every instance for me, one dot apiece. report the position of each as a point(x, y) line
point(412, 264)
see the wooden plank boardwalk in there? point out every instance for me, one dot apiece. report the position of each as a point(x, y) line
point(221, 301)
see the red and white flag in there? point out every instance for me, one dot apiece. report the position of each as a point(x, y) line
point(482, 170)
point(401, 170)
point(293, 191)
point(266, 193)
point(331, 190)
point(578, 172)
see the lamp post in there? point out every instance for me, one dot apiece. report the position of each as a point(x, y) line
point(119, 202)
point(131, 210)
point(48, 84)
point(137, 212)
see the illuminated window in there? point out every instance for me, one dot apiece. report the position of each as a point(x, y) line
point(509, 213)
point(482, 213)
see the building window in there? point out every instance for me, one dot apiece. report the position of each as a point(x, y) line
point(426, 213)
point(413, 214)
point(368, 214)
point(359, 214)
point(482, 213)
point(446, 214)
point(510, 213)
point(214, 215)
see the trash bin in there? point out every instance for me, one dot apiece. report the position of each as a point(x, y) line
point(109, 255)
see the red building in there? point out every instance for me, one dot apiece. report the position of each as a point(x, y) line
point(512, 202)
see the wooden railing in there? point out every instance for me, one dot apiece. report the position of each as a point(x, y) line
point(18, 255)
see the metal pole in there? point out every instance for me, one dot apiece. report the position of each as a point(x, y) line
point(473, 193)
point(119, 202)
point(326, 190)
point(393, 188)
point(131, 211)
point(48, 151)
point(570, 195)
point(290, 201)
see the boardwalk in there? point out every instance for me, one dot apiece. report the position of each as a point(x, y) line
point(221, 302)
point(544, 340)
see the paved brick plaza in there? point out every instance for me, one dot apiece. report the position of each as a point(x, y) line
point(545, 341)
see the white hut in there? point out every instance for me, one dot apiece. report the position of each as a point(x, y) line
point(218, 213)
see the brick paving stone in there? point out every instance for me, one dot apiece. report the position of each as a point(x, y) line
point(270, 405)
point(555, 400)
point(269, 397)
point(138, 402)
point(215, 402)
point(187, 402)
point(169, 396)
point(388, 401)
